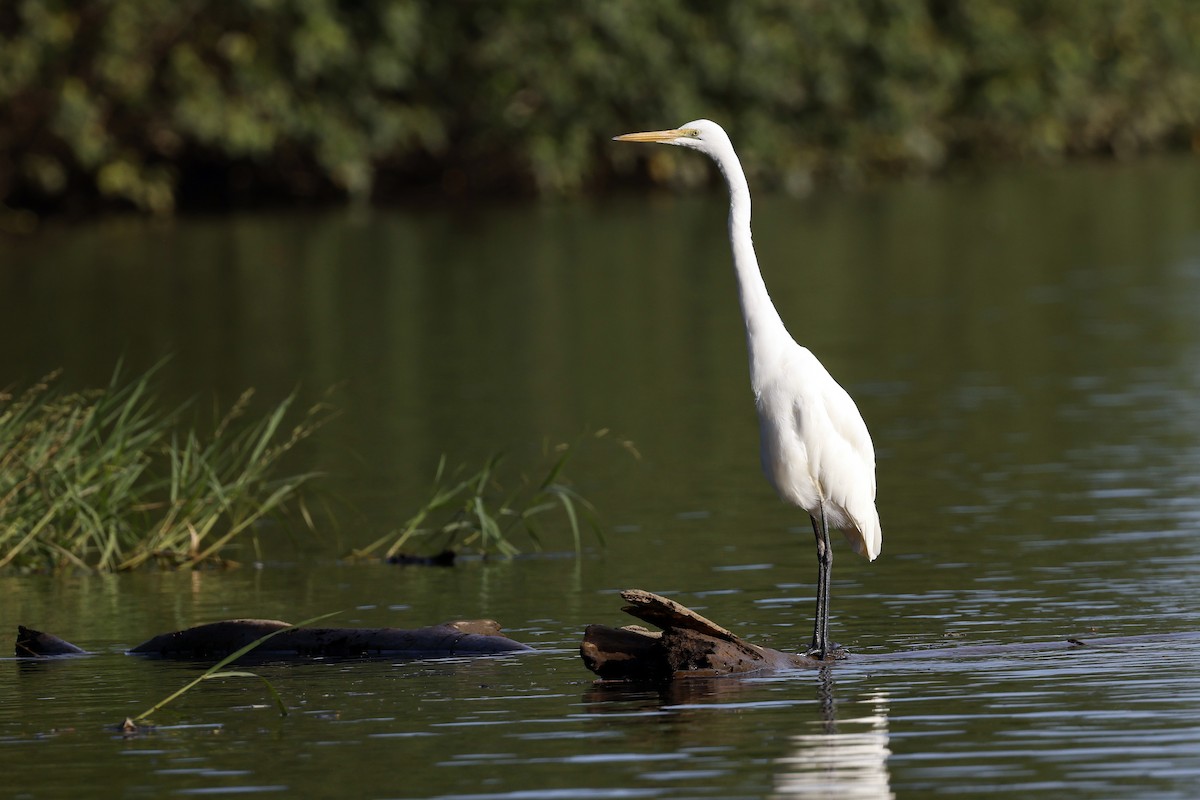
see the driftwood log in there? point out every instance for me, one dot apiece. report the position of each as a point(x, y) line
point(688, 645)
point(35, 644)
point(218, 639)
point(692, 646)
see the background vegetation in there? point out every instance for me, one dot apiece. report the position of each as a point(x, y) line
point(154, 104)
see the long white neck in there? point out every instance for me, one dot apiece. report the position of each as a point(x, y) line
point(765, 331)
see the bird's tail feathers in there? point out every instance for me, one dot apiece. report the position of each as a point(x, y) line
point(866, 537)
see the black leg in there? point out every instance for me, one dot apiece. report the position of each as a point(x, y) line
point(821, 646)
point(814, 647)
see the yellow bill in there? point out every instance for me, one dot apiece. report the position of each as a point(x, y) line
point(654, 136)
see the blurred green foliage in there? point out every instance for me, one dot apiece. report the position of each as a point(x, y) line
point(149, 103)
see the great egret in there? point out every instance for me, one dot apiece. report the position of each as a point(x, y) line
point(815, 447)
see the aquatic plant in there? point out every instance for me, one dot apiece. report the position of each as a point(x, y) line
point(110, 479)
point(218, 671)
point(474, 510)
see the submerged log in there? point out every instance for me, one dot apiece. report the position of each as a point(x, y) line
point(689, 645)
point(445, 558)
point(35, 644)
point(219, 639)
point(692, 646)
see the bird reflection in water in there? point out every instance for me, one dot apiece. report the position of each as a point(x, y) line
point(844, 758)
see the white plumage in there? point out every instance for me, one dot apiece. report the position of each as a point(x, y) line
point(815, 447)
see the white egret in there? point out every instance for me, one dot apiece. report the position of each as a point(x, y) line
point(815, 447)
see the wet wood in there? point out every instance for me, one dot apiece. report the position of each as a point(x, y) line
point(689, 645)
point(666, 613)
point(445, 558)
point(35, 644)
point(1163, 640)
point(218, 639)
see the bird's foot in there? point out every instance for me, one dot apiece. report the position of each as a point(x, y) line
point(832, 651)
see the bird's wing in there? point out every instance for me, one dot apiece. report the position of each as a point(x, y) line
point(852, 446)
point(833, 430)
point(847, 469)
point(841, 458)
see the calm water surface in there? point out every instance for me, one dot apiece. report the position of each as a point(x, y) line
point(1024, 346)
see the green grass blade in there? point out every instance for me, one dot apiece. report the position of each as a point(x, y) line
point(283, 712)
point(229, 659)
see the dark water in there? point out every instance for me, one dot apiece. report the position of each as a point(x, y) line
point(1024, 346)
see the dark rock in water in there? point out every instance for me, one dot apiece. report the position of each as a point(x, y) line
point(35, 644)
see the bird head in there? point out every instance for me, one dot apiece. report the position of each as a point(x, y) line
point(701, 134)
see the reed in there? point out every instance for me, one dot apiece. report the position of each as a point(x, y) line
point(217, 671)
point(112, 480)
point(483, 510)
